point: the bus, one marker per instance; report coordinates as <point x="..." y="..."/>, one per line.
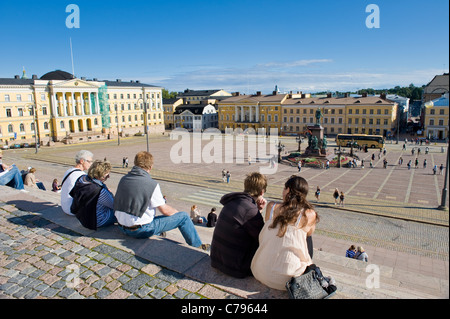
<point x="372" y="141"/>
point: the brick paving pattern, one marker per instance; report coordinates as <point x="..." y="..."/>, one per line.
<point x="40" y="259"/>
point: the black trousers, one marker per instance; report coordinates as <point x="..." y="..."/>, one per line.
<point x="309" y="242"/>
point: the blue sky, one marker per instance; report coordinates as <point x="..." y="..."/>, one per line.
<point x="236" y="45"/>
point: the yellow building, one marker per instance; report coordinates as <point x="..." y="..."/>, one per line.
<point x="352" y="115"/>
<point x="68" y="109"/>
<point x="170" y="106"/>
<point x="437" y="117"/>
<point x="251" y="111"/>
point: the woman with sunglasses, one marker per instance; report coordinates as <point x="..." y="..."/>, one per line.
<point x="93" y="202"/>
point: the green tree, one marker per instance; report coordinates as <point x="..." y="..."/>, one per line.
<point x="168" y="95"/>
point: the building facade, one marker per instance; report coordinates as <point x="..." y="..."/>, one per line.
<point x="436" y="122"/>
<point x="196" y="117"/>
<point x="60" y="108"/>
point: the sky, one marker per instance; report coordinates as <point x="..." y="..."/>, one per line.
<point x="236" y="45"/>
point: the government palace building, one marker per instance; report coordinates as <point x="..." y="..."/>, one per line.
<point x="58" y="107"/>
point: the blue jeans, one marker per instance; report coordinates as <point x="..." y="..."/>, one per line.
<point x="180" y="220"/>
<point x="12" y="178"/>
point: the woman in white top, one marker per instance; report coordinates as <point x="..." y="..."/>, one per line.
<point x="283" y="250"/>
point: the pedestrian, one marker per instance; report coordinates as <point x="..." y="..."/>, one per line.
<point x="328" y="164"/>
<point x="137" y="199"/>
<point x="373" y="156"/>
<point x="362" y="163"/>
<point x="404" y="147"/>
<point x="412" y="151"/>
<point x="235" y="237"/>
<point x="224" y="175"/>
<point x="385" y="163"/>
<point x="416" y="163"/>
<point x="126" y="161"/>
<point x="283" y="241"/>
<point x="351" y="251"/>
<point x="299" y="166"/>
<point x="341" y="199"/>
<point x="249" y="160"/>
<point x="83" y="161"/>
<point x="434" y="169"/>
<point x="409" y="164"/>
<point x="123" y="162"/>
<point x="418" y="151"/>
<point x="425" y="163"/>
<point x="361" y="254"/>
<point x="317" y="193"/>
<point x="212" y="218"/>
<point x="228" y="175"/>
<point x="400" y="161"/>
<point x="441" y="169"/>
<point x="336" y="196"/>
<point x="371" y="164"/>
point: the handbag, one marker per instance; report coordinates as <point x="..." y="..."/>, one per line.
<point x="306" y="286"/>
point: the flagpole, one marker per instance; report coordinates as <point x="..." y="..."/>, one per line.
<point x="71" y="56"/>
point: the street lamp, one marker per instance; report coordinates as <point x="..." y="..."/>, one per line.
<point x="280" y="149"/>
<point x="33" y="108"/>
<point x="443" y="205"/>
<point x="145" y="116"/>
<point x="338" y="152"/>
<point x="118" y="132"/>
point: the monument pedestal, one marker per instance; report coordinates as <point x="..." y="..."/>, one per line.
<point x="317" y="132"/>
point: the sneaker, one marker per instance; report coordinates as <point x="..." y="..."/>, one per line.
<point x="205" y="247"/>
<point x="24" y="191"/>
<point x="163" y="234"/>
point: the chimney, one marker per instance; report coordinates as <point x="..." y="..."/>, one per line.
<point x="258" y="93"/>
<point x="383" y="96"/>
<point x="274" y="92"/>
<point x="346" y="94"/>
<point x="364" y="94"/>
<point x="95" y="79"/>
<point x="137" y="81"/>
<point x="303" y="95"/>
<point x="34" y="77"/>
<point x="236" y="94"/>
<point x="118" y="80"/>
<point x="329" y="95"/>
<point x="16" y="76"/>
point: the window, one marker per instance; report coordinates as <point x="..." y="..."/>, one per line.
<point x="431" y="121"/>
<point x="357" y="111"/>
<point x="350" y="111"/>
<point x="61" y="124"/>
<point x="30" y="97"/>
<point x="22" y="127"/>
<point x="379" y="111"/>
<point x="378" y="122"/>
<point x="371" y="111"/>
<point x="19" y="98"/>
<point x="386" y="112"/>
<point x="43" y="96"/>
<point x="20" y="111"/>
<point x="8" y="113"/>
<point x="32" y="127"/>
<point x="10" y="128"/>
<point x="441" y="122"/>
<point x="45" y="125"/>
<point x="44" y="110"/>
<point x="7" y="99"/>
<point x="385" y="122"/>
<point x="441" y="112"/>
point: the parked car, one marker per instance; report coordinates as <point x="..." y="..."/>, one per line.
<point x="5" y="147"/>
<point x="25" y="145"/>
<point x="16" y="146"/>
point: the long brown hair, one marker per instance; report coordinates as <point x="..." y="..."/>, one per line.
<point x="293" y="205"/>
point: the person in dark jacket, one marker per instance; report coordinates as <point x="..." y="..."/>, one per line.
<point x="235" y="237"/>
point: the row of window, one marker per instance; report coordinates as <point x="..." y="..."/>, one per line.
<point x="433" y="111"/>
<point x="20" y="111"/>
<point x="30" y="97"/>
<point x="134" y="96"/>
<point x="440" y="122"/>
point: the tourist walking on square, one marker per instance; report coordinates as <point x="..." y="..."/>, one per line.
<point x="409" y="165"/>
<point x="317" y="193"/>
<point x="235" y="237"/>
<point x="327" y="166"/>
<point x="441" y="169"/>
<point x="416" y="163"/>
<point x="284" y="251"/>
<point x="228" y="176"/>
<point x="224" y="175"/>
<point x="83" y="161"/>
<point x="299" y="166"/>
<point x="371" y="164"/>
<point x="434" y="169"/>
<point x="341" y="199"/>
<point x="137" y="199"/>
<point x="336" y="196"/>
<point x="425" y="163"/>
<point x="400" y="161"/>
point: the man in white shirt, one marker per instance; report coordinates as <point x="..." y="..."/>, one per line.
<point x="136" y="200"/>
<point x="83" y="160"/>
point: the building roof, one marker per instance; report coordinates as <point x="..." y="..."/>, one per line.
<point x="57" y="75"/>
<point x="442" y="101"/>
<point x="439" y="85"/>
<point x="171" y="101"/>
<point x="255" y="98"/>
<point x="369" y="100"/>
<point x="189" y="92"/>
<point x="196" y="110"/>
<point x="120" y="83"/>
<point x="16" y="81"/>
